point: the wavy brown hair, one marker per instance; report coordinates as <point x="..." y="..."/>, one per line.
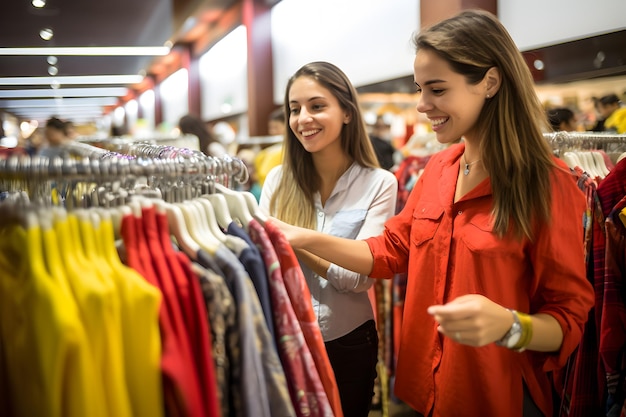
<point x="511" y="124"/>
<point x="293" y="200"/>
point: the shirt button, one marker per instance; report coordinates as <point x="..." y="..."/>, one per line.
<point x="460" y="212"/>
<point x="320" y="213"/>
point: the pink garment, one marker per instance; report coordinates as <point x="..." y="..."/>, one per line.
<point x="305" y="386"/>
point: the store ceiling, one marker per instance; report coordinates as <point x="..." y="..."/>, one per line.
<point x="84" y="23"/>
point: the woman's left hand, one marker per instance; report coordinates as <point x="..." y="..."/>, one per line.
<point x="472" y="320"/>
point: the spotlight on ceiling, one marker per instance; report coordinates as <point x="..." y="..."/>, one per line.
<point x="38" y="3"/>
<point x="46" y="34"/>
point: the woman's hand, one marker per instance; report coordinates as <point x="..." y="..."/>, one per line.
<point x="472" y="320"/>
<point x="290" y="231"/>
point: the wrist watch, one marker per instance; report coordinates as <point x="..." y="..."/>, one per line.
<point x="512" y="337"/>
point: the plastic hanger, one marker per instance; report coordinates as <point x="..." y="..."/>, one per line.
<point x="237" y="205"/>
<point x="220" y="207"/>
<point x="193" y="223"/>
<point x="572" y="161"/>
<point x="253" y="207"/>
<point x="211" y="219"/>
<point x="600" y="164"/>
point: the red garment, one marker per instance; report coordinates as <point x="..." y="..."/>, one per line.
<point x="448" y="250"/>
<point x="194" y="314"/>
<point x="300" y="298"/>
<point x="177" y="393"/>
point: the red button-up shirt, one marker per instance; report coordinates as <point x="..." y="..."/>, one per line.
<point x="448" y="250"/>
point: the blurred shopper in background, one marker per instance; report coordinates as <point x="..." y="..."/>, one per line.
<point x="562" y="119"/>
<point x="381" y="141"/>
<point x="208" y="142"/>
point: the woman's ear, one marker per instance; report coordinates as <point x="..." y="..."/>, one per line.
<point x="492" y="82"/>
<point x="347" y="118"/>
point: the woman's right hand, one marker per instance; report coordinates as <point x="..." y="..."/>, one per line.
<point x="290" y="231"/>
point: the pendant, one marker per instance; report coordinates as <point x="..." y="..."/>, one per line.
<point x="466" y="170"/>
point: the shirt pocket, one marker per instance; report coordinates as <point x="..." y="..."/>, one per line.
<point x="347" y="223"/>
<point x="480" y="239"/>
<point x="426" y="221"/>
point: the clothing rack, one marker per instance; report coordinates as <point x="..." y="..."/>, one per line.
<point x="173" y="173"/>
<point x="585" y="140"/>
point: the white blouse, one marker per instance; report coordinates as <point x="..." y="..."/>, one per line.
<point x="363" y="199"/>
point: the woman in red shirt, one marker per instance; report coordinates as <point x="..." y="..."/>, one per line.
<point x="491" y="236"/>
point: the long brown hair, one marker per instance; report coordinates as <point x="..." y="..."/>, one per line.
<point x="511" y="124"/>
<point x="293" y="200"/>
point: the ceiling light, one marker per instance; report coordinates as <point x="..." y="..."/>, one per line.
<point x="52" y="70"/>
<point x="66" y="92"/>
<point x="46" y="34"/>
<point x="52" y="60"/>
<point x="78" y="79"/>
<point x="38" y="3"/>
<point x="55" y="84"/>
<point x="66" y="102"/>
<point x="88" y="50"/>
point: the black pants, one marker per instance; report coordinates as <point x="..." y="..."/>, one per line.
<point x="353" y="358"/>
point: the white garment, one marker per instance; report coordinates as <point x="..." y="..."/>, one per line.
<point x="363" y="199"/>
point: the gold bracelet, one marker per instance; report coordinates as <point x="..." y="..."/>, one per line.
<point x="527" y="332"/>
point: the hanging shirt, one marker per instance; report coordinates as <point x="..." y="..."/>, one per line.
<point x="292" y="294"/>
<point x="263" y="388"/>
<point x="449" y="250"/>
<point x="139" y="326"/>
<point x="251" y="259"/>
<point x="222" y="315"/>
<point x="43" y="340"/>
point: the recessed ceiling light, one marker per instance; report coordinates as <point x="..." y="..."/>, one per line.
<point x="52" y="60"/>
<point x="46" y="34"/>
<point x="52" y="70"/>
<point x="38" y="3"/>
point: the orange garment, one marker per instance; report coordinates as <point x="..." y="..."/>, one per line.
<point x="449" y="251"/>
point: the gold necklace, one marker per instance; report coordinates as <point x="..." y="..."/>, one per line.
<point x="466" y="171"/>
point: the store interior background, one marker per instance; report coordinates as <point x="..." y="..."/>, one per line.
<point x="575" y="48"/>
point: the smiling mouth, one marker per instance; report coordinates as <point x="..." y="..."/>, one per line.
<point x="439" y="122"/>
<point x="307" y="133"/>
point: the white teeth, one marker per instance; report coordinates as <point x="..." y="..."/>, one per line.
<point x="309" y="132"/>
<point x="438" y="122"/>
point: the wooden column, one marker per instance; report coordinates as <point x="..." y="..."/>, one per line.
<point x="256" y="17"/>
<point x="433" y="11"/>
<point x="190" y="62"/>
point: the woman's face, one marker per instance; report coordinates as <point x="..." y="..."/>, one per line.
<point x="451" y="104"/>
<point x="315" y="116"/>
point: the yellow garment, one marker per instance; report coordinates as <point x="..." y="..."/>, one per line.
<point x="99" y="310"/>
<point x="622" y="216"/>
<point x="267" y="159"/>
<point x="617" y="120"/>
<point x="45" y="348"/>
<point x="140" y="303"/>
